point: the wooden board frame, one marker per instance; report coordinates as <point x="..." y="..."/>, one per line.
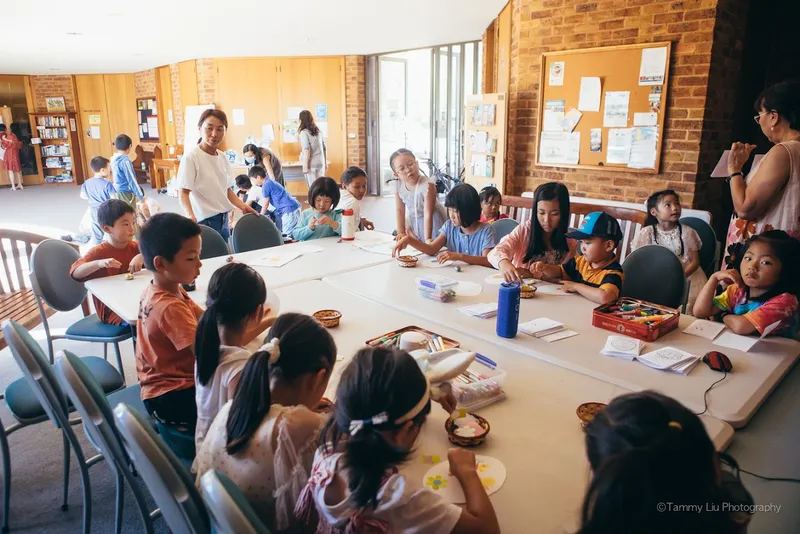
<point x="497" y="131"/>
<point x="611" y="57"/>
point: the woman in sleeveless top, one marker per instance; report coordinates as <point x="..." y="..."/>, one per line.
<point x="769" y="198"/>
<point x="313" y="154"/>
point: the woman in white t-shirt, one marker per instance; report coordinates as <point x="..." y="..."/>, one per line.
<point x="312" y="155"/>
<point x="205" y="177"/>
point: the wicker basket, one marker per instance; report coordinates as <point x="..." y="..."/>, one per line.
<point x="407" y="261"/>
<point x="461" y="441"/>
<point x="328" y="318"/>
<point x="588" y="410"/>
<point x="527" y="292"/>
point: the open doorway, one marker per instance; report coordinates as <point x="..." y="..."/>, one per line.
<point x="14" y="113"/>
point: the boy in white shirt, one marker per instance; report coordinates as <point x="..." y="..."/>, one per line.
<point x="354" y="188"/>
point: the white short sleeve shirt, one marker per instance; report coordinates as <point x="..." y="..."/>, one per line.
<point x="208" y="179"/>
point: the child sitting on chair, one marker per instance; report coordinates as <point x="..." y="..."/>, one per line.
<point x="491" y="199"/>
<point x="596" y="275"/>
<point x="320" y="220"/>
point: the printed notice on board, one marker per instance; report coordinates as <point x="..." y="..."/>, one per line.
<point x="560" y="148"/>
<point x="618" y="150"/>
<point x="653" y="67"/>
<point x="556" y="73"/>
<point x="553" y="115"/>
<point x="615" y="111"/>
<point x="589" y="97"/>
<point x="644" y="148"/>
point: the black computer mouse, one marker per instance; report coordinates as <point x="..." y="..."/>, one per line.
<point x="718" y="362"/>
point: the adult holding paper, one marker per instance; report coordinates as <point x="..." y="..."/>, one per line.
<point x="205" y="177"/>
<point x="769" y="198"/>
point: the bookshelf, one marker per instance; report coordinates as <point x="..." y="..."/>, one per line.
<point x="58" y="147"/>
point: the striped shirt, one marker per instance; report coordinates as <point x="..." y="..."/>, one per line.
<point x="607" y="277"/>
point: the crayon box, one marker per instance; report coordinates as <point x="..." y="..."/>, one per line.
<point x="629" y="317"/>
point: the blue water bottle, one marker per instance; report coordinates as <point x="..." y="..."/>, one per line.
<point x="508" y="309"/>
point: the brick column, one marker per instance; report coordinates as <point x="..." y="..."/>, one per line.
<point x="356" y="110"/>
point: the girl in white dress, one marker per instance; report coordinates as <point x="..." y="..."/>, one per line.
<point x="663" y="227"/>
<point x="418" y="209"/>
<point x="265" y="438"/>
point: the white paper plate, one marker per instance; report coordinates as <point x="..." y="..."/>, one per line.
<point x="468" y="289"/>
<point x="429" y="261"/>
<point x="552" y="289"/>
<point x="497" y="279"/>
<point x="491" y="471"/>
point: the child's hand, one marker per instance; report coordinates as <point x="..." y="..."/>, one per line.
<point x="368" y="225"/>
<point x="400" y="244"/>
<point x="324" y="220"/>
<point x="731" y="276"/>
<point x="569" y="286"/>
<point x="312" y="224"/>
<point x="448" y="256"/>
<point x="108" y="263"/>
<point x="537" y="270"/>
<point x="266" y="322"/>
<point x="137" y="264"/>
<point x="462" y="462"/>
<point x="509" y="272"/>
<point x="448" y="402"/>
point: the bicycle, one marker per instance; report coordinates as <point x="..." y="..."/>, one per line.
<point x="444" y="182"/>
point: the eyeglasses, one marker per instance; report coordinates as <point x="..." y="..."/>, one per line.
<point x="757" y="118"/>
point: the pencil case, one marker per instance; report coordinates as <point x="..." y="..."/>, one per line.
<point x="612" y="316"/>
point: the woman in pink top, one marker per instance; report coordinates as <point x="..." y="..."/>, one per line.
<point x="542" y="238"/>
<point x="769" y="198"/>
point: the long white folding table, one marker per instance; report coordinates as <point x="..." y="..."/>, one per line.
<point x="735" y="400"/>
<point x="534" y="431"/>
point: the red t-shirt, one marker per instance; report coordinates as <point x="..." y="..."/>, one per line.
<point x="502" y="216"/>
<point x="100" y="252"/>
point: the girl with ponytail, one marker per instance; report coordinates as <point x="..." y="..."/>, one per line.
<point x="655" y="470"/>
<point x="264" y="439"/>
<point x="381" y="403"/>
<point x="233" y="318"/>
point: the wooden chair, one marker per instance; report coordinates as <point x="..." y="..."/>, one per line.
<point x="158" y="180"/>
<point x="630" y="221"/>
<point x="17" y="301"/>
<point x="142" y="176"/>
<point x="517" y="208"/>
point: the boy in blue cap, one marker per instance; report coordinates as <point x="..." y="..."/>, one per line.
<point x="597" y="275"/>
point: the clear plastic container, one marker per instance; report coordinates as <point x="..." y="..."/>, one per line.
<point x="437" y="288"/>
<point x="486" y="390"/>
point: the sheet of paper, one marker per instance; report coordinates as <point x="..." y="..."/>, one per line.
<point x="705" y="329"/>
<point x="615" y="111"/>
<point x="478" y="141"/>
<point x="152" y="127"/>
<point x="306" y="249"/>
<point x="323" y="127"/>
<point x="293" y="113"/>
<point x="589" y="98"/>
<point x="558" y="336"/>
<point x="553" y="115"/>
<point x="321" y="112"/>
<point x="95" y="132"/>
<point x="645" y="119"/>
<point x="539" y="325"/>
<point x="618" y="149"/>
<point x="721" y="169"/>
<point x="289" y="132"/>
<point x="735" y="341"/>
<point x="267" y="133"/>
<point x="169" y="116"/>
<point x="644" y="149"/>
<point x="560" y="148"/>
<point x="238" y="117"/>
<point x="571" y="120"/>
<point x="276" y="259"/>
<point x="596" y="140"/>
<point x="653" y="66"/>
<point x="556" y="73"/>
<point x="666" y="358"/>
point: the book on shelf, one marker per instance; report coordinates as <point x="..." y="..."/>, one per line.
<point x="55" y="150"/>
<point x="51" y="121"/>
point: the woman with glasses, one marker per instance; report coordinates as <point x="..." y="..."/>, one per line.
<point x="769" y="198"/>
<point x="418" y="209"/>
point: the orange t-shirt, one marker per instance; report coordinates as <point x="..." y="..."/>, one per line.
<point x="100" y="252"/>
<point x="164" y="347"/>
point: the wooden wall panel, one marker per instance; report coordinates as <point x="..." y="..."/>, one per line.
<point x="165" y="103"/>
<point x="187" y="74"/>
<point x="121" y="105"/>
<point x="91" y="93"/>
<point x="503" y="47"/>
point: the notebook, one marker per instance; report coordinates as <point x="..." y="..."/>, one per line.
<point x="484" y="310"/>
<point x="546" y="329"/>
<point x="623" y="347"/>
<point x="669" y="359"/>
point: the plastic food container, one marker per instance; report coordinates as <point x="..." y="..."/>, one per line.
<point x="437" y="288"/>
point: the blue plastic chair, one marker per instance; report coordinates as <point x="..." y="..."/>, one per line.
<point x="254" y="232"/>
<point x="169" y="482"/>
<point x="98" y="420"/>
<point x="50" y="265"/>
<point x="227" y="506"/>
<point x="503" y="227"/>
<point x="655" y="274"/>
<point x="709" y="253"/>
<point x="213" y="243"/>
<point x="38" y="397"/>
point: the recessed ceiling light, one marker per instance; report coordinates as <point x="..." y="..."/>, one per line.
<point x="74" y="33"/>
<point x="55" y="69"/>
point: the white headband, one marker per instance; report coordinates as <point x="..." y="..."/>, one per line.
<point x="357" y="424"/>
<point x="273" y="349"/>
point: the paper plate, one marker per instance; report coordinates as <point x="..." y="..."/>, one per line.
<point x="468" y="289"/>
<point x="491" y="471"/>
<point x="552" y="289"/>
<point x="430" y="261"/>
<point x="497" y="279"/>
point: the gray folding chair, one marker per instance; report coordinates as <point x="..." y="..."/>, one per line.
<point x="38" y="397"/>
<point x="98" y="420"/>
<point x="50" y="265"/>
<point x="655" y="274"/>
<point x="213" y="244"/>
<point x="503" y="227"/>
<point x="170" y="483"/>
<point x="227" y="506"/>
<point x="709" y="252"/>
<point x="254" y="232"/>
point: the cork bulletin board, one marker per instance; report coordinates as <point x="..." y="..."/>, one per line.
<point x="626" y="73"/>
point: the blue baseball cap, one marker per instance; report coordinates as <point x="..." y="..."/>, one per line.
<point x="597" y="224"/>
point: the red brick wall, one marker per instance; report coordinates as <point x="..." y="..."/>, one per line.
<point x="356" y="110"/>
<point x="48" y="86"/>
<point x="177" y="107"/>
<point x="207" y="81"/>
<point x="545" y="25"/>
<point x="144" y="84"/>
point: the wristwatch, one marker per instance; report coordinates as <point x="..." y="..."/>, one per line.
<point x="730" y="177"/>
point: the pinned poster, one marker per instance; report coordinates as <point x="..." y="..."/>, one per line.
<point x="653" y="66"/>
<point x="560" y="148"/>
<point x="169" y="116"/>
<point x="644" y="148"/>
<point x="293" y="113"/>
<point x="553" y="115"/>
<point x="321" y="112"/>
<point x="267" y="133"/>
<point x="618" y="149"/>
<point x="615" y="111"/>
<point x="571" y="120"/>
<point x="238" y="117"/>
<point x="556" y="73"/>
<point x="289" y="132"/>
<point x="595" y="140"/>
<point x="94" y="120"/>
<point x="94" y="132"/>
<point x="645" y="119"/>
<point x="589" y="98"/>
<point x="323" y="128"/>
<point x="152" y="127"/>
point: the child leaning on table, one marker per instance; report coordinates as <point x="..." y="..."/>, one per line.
<point x="596" y="275"/>
<point x="321" y="219"/>
<point x="382" y="402"/>
<point x="119" y="254"/>
<point x="466" y="238"/>
<point x="648" y="451"/>
<point x="762" y="291"/>
<point x="170" y="245"/>
<point x="287" y="208"/>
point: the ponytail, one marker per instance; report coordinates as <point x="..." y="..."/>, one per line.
<point x="369" y="457"/>
<point x="207" y="345"/>
<point x="250" y="404"/>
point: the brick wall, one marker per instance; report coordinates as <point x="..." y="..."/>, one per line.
<point x="356" y="110"/>
<point x="177" y="106"/>
<point x="207" y="81"/>
<point x="49" y="86"/>
<point x="144" y="84"/>
<point x="693" y="26"/>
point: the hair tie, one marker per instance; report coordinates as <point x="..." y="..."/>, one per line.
<point x="357" y="424"/>
<point x="675" y="424"/>
<point x="273" y="349"/>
